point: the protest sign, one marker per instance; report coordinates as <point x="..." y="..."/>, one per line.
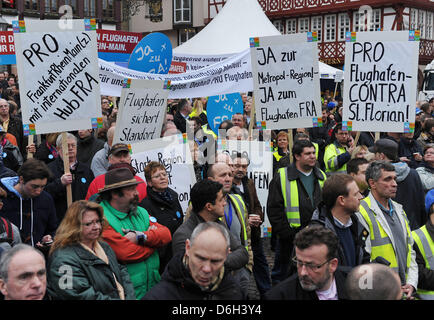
<point x="222" y="107"/>
<point x="260" y="169"/>
<point x="286" y="81"/>
<point x="58" y="74"/>
<point x="231" y="75"/>
<point x="116" y="45"/>
<point x="174" y="153"/>
<point x="7" y="48"/>
<point x="141" y="111"/>
<point x="380" y="81"/>
<point x="152" y="54"/>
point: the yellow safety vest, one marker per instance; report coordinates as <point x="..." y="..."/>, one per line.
<point x="426" y="247"/>
<point x="292" y="207"/>
<point x="381" y="245"/>
<point x="331" y="158"/>
<point x="277" y="156"/>
<point x="316" y="149"/>
<point x="209" y="131"/>
<point x="240" y="207"/>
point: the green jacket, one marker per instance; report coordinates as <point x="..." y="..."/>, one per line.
<point x="144" y="274"/>
<point x="74" y="273"/>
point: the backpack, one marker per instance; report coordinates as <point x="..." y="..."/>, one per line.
<point x="6" y="229"/>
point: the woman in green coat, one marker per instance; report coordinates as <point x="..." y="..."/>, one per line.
<point x="80" y="265"/>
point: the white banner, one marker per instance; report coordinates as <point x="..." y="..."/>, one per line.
<point x="59" y="80"/>
<point x="231" y="75"/>
<point x="141" y="111"/>
<point x="174" y="153"/>
<point x="260" y="169"/>
<point x="286" y="81"/>
<point x="196" y="62"/>
<point x="381" y="81"/>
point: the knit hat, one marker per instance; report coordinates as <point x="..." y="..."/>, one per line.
<point x="429" y="200"/>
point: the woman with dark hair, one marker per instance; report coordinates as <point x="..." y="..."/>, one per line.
<point x="80" y="265"/>
<point x="426" y="170"/>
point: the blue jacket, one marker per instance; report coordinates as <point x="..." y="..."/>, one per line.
<point x="34" y="217"/>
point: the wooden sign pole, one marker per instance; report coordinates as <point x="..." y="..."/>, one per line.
<point x="290" y="143"/>
<point x="30" y="154"/>
<point x="252" y="118"/>
<point x="66" y="167"/>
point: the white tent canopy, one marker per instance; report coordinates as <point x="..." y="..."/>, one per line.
<point x="230" y="31"/>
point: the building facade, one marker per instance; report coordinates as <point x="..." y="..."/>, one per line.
<point x="331" y="19"/>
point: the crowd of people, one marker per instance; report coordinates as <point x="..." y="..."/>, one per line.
<point x="339" y="210"/>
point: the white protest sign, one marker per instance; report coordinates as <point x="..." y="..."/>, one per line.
<point x="141" y="111"/>
<point x="286" y="80"/>
<point x="58" y="74"/>
<point x="230" y="75"/>
<point x="260" y="169"/>
<point x="196" y="62"/>
<point x="380" y="81"/>
<point x="174" y="153"/>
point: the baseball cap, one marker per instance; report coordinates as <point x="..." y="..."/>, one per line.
<point x="118" y="147"/>
<point x="331" y="105"/>
<point x="386" y="146"/>
<point x="429" y="200"/>
<point x="418" y="111"/>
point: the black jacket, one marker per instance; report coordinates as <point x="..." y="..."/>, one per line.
<point x="168" y="213"/>
<point x="177" y="284"/>
<point x="426" y="275"/>
<point x="87" y="147"/>
<point x="82" y="177"/>
<point x="15" y="127"/>
<point x="324" y="217"/>
<point x="290" y="289"/>
<point x="180" y="122"/>
<point x="44" y="153"/>
<point x="406" y="148"/>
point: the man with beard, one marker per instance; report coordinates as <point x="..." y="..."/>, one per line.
<point x="318" y="276"/>
<point x="133" y="235"/>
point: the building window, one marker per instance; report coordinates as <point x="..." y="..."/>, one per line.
<point x="367" y="20"/>
<point x="291" y="26"/>
<point x="343" y="26"/>
<point x="413" y="19"/>
<point x="421" y="23"/>
<point x="184" y="35"/>
<point x="72" y="4"/>
<point x="429" y="25"/>
<point x="330" y="28"/>
<point x="8" y="4"/>
<point x="317" y="26"/>
<point x="279" y="26"/>
<point x="182" y="11"/>
<point x="51" y="6"/>
<point x="31" y="5"/>
<point x="303" y="25"/>
<point x="107" y="8"/>
<point x="89" y="8"/>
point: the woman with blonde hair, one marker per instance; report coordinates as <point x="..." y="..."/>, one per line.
<point x="199" y="110"/>
<point x="80" y="265"/>
<point x="360" y="152"/>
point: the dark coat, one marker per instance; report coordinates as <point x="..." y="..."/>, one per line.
<point x="43" y="214"/>
<point x="92" y="278"/>
<point x="82" y="177"/>
<point x="406" y="148"/>
<point x="43" y="153"/>
<point x="324" y="217"/>
<point x="180" y="122"/>
<point x="87" y="147"/>
<point x="237" y="258"/>
<point x="177" y="284"/>
<point x="15" y="127"/>
<point x="168" y="213"/>
<point x="290" y="289"/>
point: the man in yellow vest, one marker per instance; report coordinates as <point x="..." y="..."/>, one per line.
<point x="235" y="216"/>
<point x="389" y="231"/>
<point x="424" y="247"/>
<point x="338" y="153"/>
<point x="294" y="194"/>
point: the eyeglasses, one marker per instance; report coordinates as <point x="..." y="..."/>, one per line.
<point x="309" y="266"/>
<point x="159" y="176"/>
<point x="88" y="224"/>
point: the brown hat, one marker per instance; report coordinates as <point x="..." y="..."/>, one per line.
<point x="119" y="178"/>
<point x="118" y="147"/>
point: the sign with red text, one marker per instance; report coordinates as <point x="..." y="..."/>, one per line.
<point x="7" y="48"/>
<point x="116" y="45"/>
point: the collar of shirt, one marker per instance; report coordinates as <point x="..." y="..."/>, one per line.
<point x="341" y="225"/>
<point x="329" y="294"/>
<point x="391" y="208"/>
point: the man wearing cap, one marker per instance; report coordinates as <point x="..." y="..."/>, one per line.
<point x="133" y="234"/>
<point x="79" y="177"/>
<point x="119" y="156"/>
<point x="410" y="192"/>
<point x="338" y="153"/>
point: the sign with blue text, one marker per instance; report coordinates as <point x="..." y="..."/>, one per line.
<point x="153" y="54"/>
<point x="381" y="81"/>
<point x="222" y="107"/>
<point x="286" y="80"/>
